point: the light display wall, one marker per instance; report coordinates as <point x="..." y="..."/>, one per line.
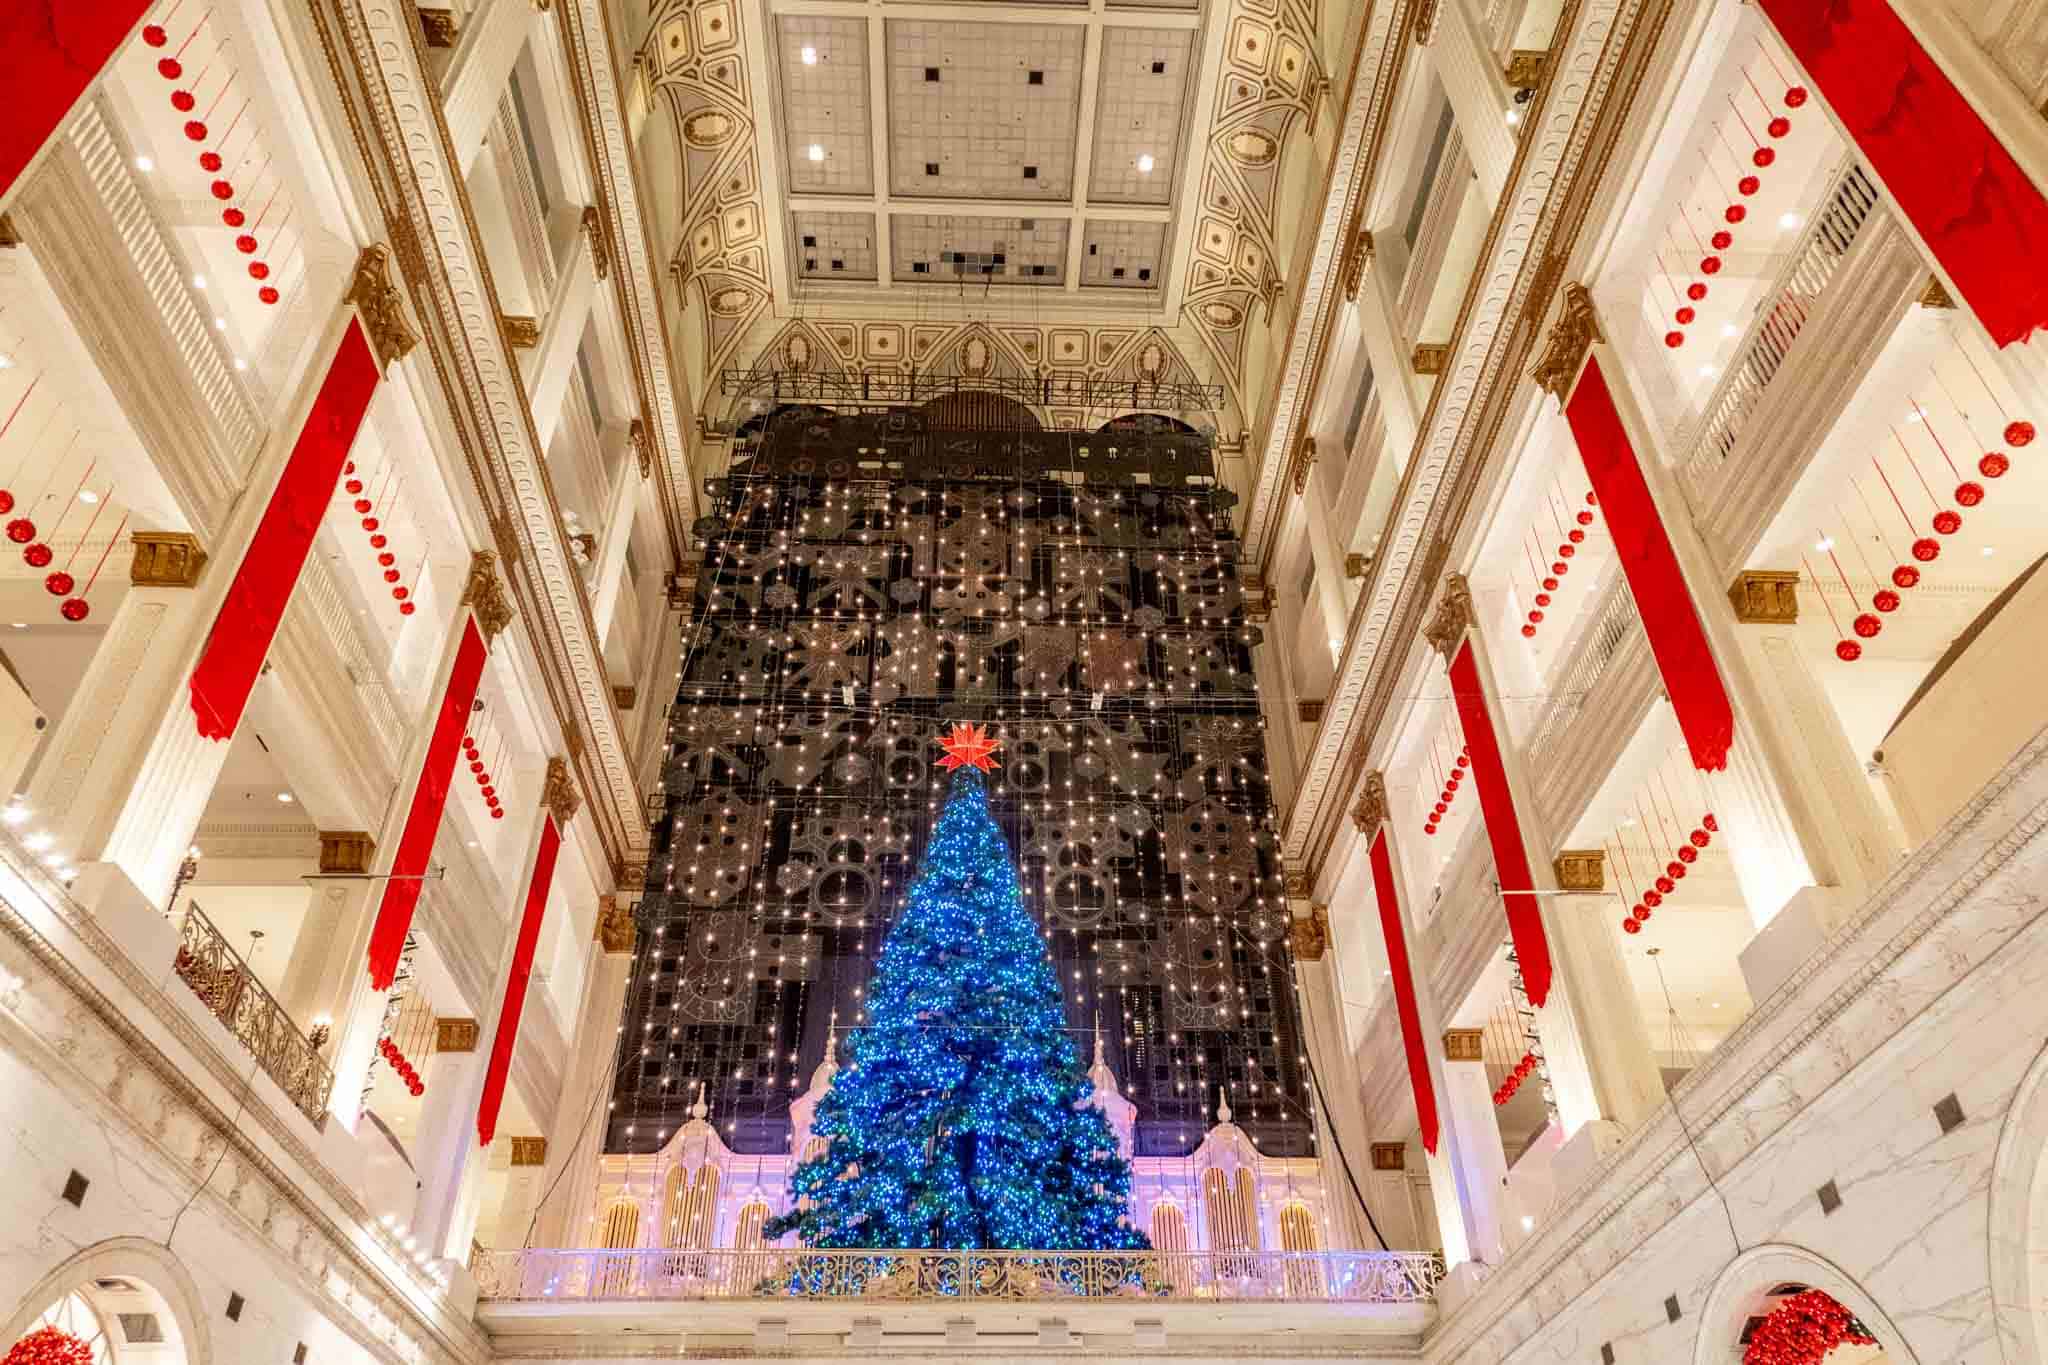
<point x="867" y="581"/>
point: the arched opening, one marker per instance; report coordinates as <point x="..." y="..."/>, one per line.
<point x="979" y="410"/>
<point x="2019" y="1221"/>
<point x="1772" y="1294"/>
<point x="121" y="1303"/>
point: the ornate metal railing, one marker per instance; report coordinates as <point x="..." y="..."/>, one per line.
<point x="1598" y="644"/>
<point x="219" y="977"/>
<point x="1308" y="1276"/>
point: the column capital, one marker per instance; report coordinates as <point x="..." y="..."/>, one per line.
<point x="630" y="874"/>
<point x="456" y="1035"/>
<point x="643" y="450"/>
<point x="1423" y="22"/>
<point x="1357" y="261"/>
<point x="522" y="330"/>
<point x="1765" y="597"/>
<point x="438" y="27"/>
<point x="558" y="792"/>
<point x="529" y="1151"/>
<point x="1309" y="710"/>
<point x="592" y="224"/>
<point x="1258" y="598"/>
<point x="1356" y="565"/>
<point x="1303" y="461"/>
<point x="1430" y="357"/>
<point x="346" y="852"/>
<point x="1571" y="337"/>
<point x="484" y="595"/>
<point x="1580" y="869"/>
<point x="381" y="306"/>
<point x="1371" y="811"/>
<point x="1390" y="1156"/>
<point x="1294" y="882"/>
<point x="614" y="928"/>
<point x="1446" y="629"/>
<point x="1525" y="68"/>
<point x="1464" y="1045"/>
<point x="1936" y="294"/>
<point x="1309" y="935"/>
<point x="165" y="559"/>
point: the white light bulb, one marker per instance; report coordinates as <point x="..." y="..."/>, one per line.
<point x="1145" y="163"/>
<point x="817" y="152"/>
<point x="144" y="164"/>
<point x="810" y="56"/>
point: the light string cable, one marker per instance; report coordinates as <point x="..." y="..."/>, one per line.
<point x="1727" y="1211"/>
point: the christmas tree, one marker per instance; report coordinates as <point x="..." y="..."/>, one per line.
<point x="962" y="1120"/>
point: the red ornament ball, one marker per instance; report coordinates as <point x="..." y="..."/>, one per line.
<point x="1685" y="317"/>
<point x="1696" y="291"/>
<point x="1969" y="494"/>
<point x="1664" y="885"/>
<point x="1542" y="599"/>
<point x="154" y="35"/>
<point x="258" y="270"/>
<point x="211" y="163"/>
<point x="1926" y="548"/>
<point x="1867" y="625"/>
<point x="1749" y="184"/>
<point x="1642" y="913"/>
<point x="497" y="814"/>
<point x="391" y="575"/>
<point x="1464" y="760"/>
<point x="6" y="501"/>
<point x="476" y="765"/>
<point x="1560" y="568"/>
<point x="387" y="559"/>
<point x="1722" y="239"/>
<point x="1536" y="616"/>
<point x="1709" y="821"/>
<point x="1710" y="265"/>
<point x="1700" y="838"/>
<point x="401" y="592"/>
<point x="1567" y="551"/>
<point x="1763" y="156"/>
<point x="170" y="68"/>
<point x="1884" y="599"/>
<point x="353" y="487"/>
<point x="246" y="244"/>
<point x="1674" y="339"/>
<point x="1905" y="576"/>
<point x="2019" y="433"/>
<point x="50" y="1346"/>
<point x="1585" y="518"/>
<point x="362" y="505"/>
<point x="1848" y="651"/>
<point x="369" y="523"/>
<point x="379" y="542"/>
<point x="75" y="609"/>
<point x="1676" y="871"/>
<point x="1687" y="853"/>
<point x="21" y="530"/>
<point x="1948" y="521"/>
<point x="233" y="217"/>
<point x="222" y="190"/>
<point x="1429" y="829"/>
<point x="1778" y="126"/>
<point x="1994" y="464"/>
<point x="268" y="294"/>
<point x="490" y="792"/>
<point x="406" y="609"/>
<point x="38" y="556"/>
<point x="182" y="101"/>
<point x="1735" y="213"/>
<point x="1550" y="585"/>
<point x="1629" y="926"/>
<point x="1439" y="808"/>
<point x="195" y="130"/>
<point x="1653" y="899"/>
<point x="59" y="584"/>
<point x="1575" y="536"/>
<point x="1795" y="96"/>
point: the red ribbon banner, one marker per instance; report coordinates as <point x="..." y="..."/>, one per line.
<point x="233" y="657"/>
<point x="423" y="821"/>
<point x="1404" y="989"/>
<point x="1677" y="638"/>
<point x="515" y="989"/>
<point x="1503" y="829"/>
<point x="1980" y="215"/>
<point x="50" y="51"/>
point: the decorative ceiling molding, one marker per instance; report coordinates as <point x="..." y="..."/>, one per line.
<point x="425" y="203"/>
<point x="1500" y="320"/>
<point x="622" y="221"/>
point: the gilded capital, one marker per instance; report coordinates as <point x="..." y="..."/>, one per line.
<point x="438" y="27"/>
<point x="1526" y="67"/>
<point x="1309" y="935"/>
<point x="592" y="224"/>
<point x="455" y="1035"/>
<point x="346" y="852"/>
<point x="530" y="1151"/>
<point x="1431" y="358"/>
<point x="614" y="927"/>
<point x="1294" y="884"/>
<point x="1356" y="262"/>
<point x="1371" y="811"/>
<point x="1765" y="597"/>
<point x="1390" y="1156"/>
<point x="381" y="306"/>
<point x="484" y="595"/>
<point x="1581" y="869"/>
<point x="1303" y="461"/>
<point x="1936" y="294"/>
<point x="1464" y="1045"/>
<point x="643" y="449"/>
<point x="522" y="331"/>
<point x="1571" y="337"/>
<point x="165" y="559"/>
<point x="1357" y="566"/>
<point x="558" y="792"/>
<point x="1309" y="711"/>
<point x="1446" y="629"/>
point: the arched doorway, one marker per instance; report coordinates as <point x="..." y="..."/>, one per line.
<point x="127" y="1301"/>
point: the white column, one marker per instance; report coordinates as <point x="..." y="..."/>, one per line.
<point x="548" y="366"/>
<point x="1340" y="1113"/>
<point x="1394" y="378"/>
<point x="1468" y="1107"/>
<point x="486" y="50"/>
<point x="1613" y="1033"/>
<point x="610" y="569"/>
<point x="580" y="1117"/>
<point x="1389" y="1196"/>
<point x="332" y="948"/>
<point x="1478" y="96"/>
<point x="525" y="1182"/>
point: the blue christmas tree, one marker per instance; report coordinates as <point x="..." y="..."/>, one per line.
<point x="961" y="1121"/>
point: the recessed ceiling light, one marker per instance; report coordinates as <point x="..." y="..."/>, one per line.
<point x="1788" y="220"/>
<point x="220" y="324"/>
<point x="143" y="163"/>
<point x="1145" y="163"/>
<point x="1986" y="550"/>
<point x="199" y="281"/>
<point x="810" y="56"/>
<point x="1824" y="544"/>
<point x="284" y="798"/>
<point x="241" y="364"/>
<point x="817" y="152"/>
<point x="87" y="496"/>
<point x="6" y="361"/>
<point x="1727" y="329"/>
<point x="1514" y="117"/>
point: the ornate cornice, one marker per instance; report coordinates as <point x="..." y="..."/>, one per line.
<point x="558" y="792"/>
<point x="1453" y="617"/>
<point x="1371" y="811"/>
<point x="1571" y="337"/>
<point x="381" y="306"/>
<point x="481" y="594"/>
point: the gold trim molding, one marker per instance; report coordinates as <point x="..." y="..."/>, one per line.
<point x="486" y="596"/>
<point x="558" y="792"/>
<point x="382" y="306"/>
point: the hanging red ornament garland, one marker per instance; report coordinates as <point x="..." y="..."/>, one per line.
<point x="50" y="1346"/>
<point x="78" y="608"/>
<point x="1802" y="1329"/>
<point x="1846" y="649"/>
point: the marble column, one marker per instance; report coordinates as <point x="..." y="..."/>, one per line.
<point x="577" y="1140"/>
<point x="549" y="367"/>
<point x="1340" y="1114"/>
<point x="1468" y="1107"/>
<point x="1391" y="1199"/>
<point x="334" y="941"/>
<point x="1332" y="587"/>
<point x="525" y="1182"/>
<point x="1614" y="1033"/>
<point x="445" y="1151"/>
<point x="486" y="50"/>
<point x="1478" y="95"/>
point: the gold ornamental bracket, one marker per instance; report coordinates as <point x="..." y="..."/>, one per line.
<point x="1309" y="710"/>
<point x="614" y="927"/>
<point x="522" y="331"/>
<point x="558" y="792"/>
<point x="1423" y="26"/>
<point x="1570" y="340"/>
<point x="592" y="224"/>
<point x="1431" y="358"/>
<point x="346" y="852"/>
<point x="1580" y="870"/>
<point x="529" y="1151"/>
<point x="165" y="559"/>
<point x="1390" y="1156"/>
<point x="1765" y="597"/>
<point x="1303" y="461"/>
<point x="483" y="594"/>
<point x="456" y="1035"/>
<point x="643" y="448"/>
<point x="381" y="305"/>
<point x="1464" y="1045"/>
<point x="1309" y="935"/>
<point x="1357" y="262"/>
<point x="1371" y="811"/>
<point x="1453" y="617"/>
<point x="1357" y="565"/>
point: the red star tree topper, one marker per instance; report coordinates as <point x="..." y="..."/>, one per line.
<point x="969" y="746"/>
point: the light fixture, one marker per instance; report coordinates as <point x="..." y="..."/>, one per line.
<point x="1824" y="544"/>
<point x="1528" y="1222"/>
<point x="241" y="364"/>
<point x="284" y="798"/>
<point x="1788" y="220"/>
<point x="87" y="496"/>
<point x="1986" y="550"/>
<point x="220" y="324"/>
<point x="1727" y="329"/>
<point x="6" y="361"/>
<point x="21" y="625"/>
<point x="810" y="56"/>
<point x="817" y="152"/>
<point x="1514" y="116"/>
<point x="1145" y="163"/>
<point x="37" y="842"/>
<point x="199" y="281"/>
<point x="144" y="164"/>
<point x="16" y="814"/>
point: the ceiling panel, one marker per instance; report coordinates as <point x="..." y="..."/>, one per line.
<point x="983" y="111"/>
<point x="1124" y="255"/>
<point x="834" y="246"/>
<point x="945" y="249"/>
<point x="1146" y="74"/>
<point x="825" y="112"/>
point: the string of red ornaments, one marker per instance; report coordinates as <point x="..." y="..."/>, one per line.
<point x="1802" y="1329"/>
<point x="1522" y="1070"/>
<point x="1665" y="883"/>
<point x="1568" y="546"/>
<point x="213" y="160"/>
<point x="402" y="1066"/>
<point x="50" y="1346"/>
<point x="365" y="508"/>
<point x="482" y="773"/>
<point x="36" y="551"/>
<point x="1453" y="779"/>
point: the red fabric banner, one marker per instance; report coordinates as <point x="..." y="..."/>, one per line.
<point x="1404" y="989"/>
<point x="1677" y="638"/>
<point x="1503" y="829"/>
<point x="507" y="1032"/>
<point x="50" y="51"/>
<point x="423" y="821"/>
<point x="1980" y="215"/>
<point x="241" y="635"/>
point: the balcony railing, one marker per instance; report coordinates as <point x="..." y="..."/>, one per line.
<point x="1264" y="1276"/>
<point x="219" y="977"/>
<point x="1598" y="644"/>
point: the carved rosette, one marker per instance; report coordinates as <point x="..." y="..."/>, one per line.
<point x="1371" y="811"/>
<point x="1765" y="597"/>
<point x="1309" y="935"/>
<point x="1356" y="262"/>
<point x="484" y="595"/>
<point x="165" y="559"/>
<point x="643" y="449"/>
<point x="614" y="928"/>
<point x="558" y="792"/>
<point x="592" y="224"/>
<point x="1303" y="461"/>
<point x="1446" y="629"/>
<point x="1571" y="337"/>
<point x="1581" y="869"/>
<point x="455" y="1035"/>
<point x="381" y="306"/>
